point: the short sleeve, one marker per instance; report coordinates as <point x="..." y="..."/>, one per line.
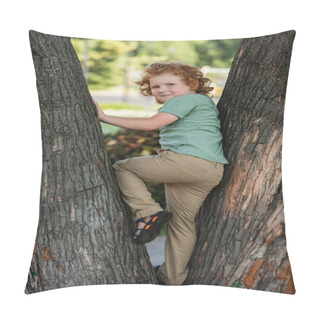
<point x="180" y="106"/>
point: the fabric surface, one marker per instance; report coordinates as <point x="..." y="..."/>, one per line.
<point x="185" y="135"/>
<point x="84" y="232"/>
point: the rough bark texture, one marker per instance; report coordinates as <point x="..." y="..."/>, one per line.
<point x="241" y="233"/>
<point x="84" y="228"/>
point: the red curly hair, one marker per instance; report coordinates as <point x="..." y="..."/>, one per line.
<point x="191" y="75"/>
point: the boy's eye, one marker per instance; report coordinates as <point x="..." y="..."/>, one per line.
<point x="171" y="84"/>
<point x="155" y="87"/>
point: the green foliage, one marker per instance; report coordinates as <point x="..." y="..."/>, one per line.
<point x="103" y="62"/>
<point x="216" y="53"/>
<point x="131" y="143"/>
<point x="108" y="63"/>
<point x="155" y="51"/>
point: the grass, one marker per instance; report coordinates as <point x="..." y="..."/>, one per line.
<point x="120" y="106"/>
<point x="109" y="129"/>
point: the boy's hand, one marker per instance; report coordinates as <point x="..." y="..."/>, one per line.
<point x="101" y="114"/>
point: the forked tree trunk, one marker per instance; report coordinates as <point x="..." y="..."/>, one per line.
<point x="84" y="229"/>
<point x="241" y="233"/>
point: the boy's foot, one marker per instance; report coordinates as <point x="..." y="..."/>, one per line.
<point x="149" y="227"/>
<point x="156" y="269"/>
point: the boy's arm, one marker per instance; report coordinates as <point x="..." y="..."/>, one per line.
<point x="155" y="122"/>
<point x="152" y="123"/>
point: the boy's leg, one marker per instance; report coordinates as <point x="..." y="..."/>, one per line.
<point x="166" y="167"/>
<point x="184" y="201"/>
<point x="133" y="187"/>
<point x="188" y="181"/>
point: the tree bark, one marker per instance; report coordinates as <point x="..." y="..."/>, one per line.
<point x="84" y="228"/>
<point x="241" y="231"/>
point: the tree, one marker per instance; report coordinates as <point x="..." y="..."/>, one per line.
<point x="83" y="235"/>
<point x="241" y="232"/>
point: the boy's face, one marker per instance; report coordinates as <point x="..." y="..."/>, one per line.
<point x="167" y="85"/>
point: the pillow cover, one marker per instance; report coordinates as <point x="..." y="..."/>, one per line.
<point x="84" y="230"/>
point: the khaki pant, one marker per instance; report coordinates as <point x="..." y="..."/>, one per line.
<point x="188" y="180"/>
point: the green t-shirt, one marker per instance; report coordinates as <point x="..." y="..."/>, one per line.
<point x="197" y="132"/>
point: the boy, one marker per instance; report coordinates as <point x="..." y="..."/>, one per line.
<point x="190" y="162"/>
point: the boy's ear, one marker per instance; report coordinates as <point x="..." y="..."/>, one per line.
<point x="195" y="85"/>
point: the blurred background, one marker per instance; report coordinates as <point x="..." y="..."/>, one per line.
<point x="111" y="69"/>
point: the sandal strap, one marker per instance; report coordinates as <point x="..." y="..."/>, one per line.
<point x="150" y="222"/>
<point x="151" y="217"/>
<point x="151" y="228"/>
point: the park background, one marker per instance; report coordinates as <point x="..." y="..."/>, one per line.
<point x="111" y="69"/>
<point x="21" y="161"/>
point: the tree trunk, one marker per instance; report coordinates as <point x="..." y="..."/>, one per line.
<point x="84" y="228"/>
<point x="241" y="234"/>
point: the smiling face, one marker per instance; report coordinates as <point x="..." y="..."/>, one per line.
<point x="167" y="85"/>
